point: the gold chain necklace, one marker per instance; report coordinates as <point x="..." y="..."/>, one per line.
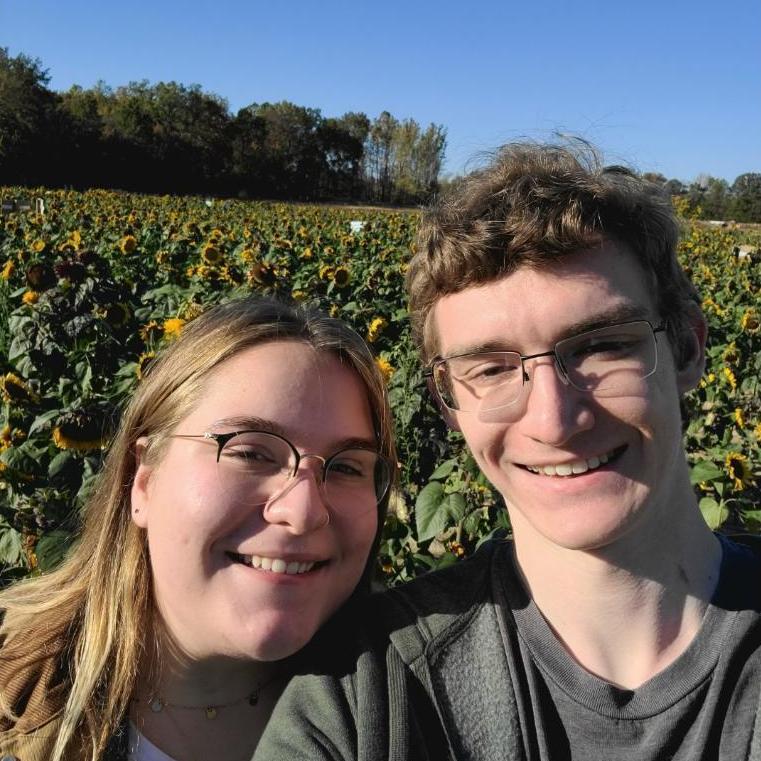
<point x="157" y="703"/>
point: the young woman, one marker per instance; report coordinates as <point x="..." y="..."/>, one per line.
<point x="238" y="509"/>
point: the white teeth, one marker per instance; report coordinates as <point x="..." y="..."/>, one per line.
<point x="277" y="565"/>
<point x="572" y="468"/>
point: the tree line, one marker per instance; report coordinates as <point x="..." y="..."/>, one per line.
<point x="714" y="198"/>
<point x="173" y="138"/>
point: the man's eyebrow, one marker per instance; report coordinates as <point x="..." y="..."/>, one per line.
<point x="619" y="313"/>
<point x="253" y="423"/>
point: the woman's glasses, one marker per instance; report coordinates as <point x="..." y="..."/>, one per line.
<point x="255" y="466"/>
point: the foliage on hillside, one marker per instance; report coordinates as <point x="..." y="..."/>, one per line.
<point x="90" y="290"/>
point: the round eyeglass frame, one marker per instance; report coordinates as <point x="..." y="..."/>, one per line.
<point x="222" y="439"/>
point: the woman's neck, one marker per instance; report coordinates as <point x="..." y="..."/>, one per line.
<point x="211" y="708"/>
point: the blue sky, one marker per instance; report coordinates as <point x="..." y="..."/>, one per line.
<point x="669" y="86"/>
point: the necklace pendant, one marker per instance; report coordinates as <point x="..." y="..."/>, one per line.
<point x="156" y="705"/>
<point x="211" y="712"/>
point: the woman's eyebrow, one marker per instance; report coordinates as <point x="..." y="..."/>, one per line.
<point x="252" y="423"/>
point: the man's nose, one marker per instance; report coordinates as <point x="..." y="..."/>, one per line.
<point x="554" y="411"/>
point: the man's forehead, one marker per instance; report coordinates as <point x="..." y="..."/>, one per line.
<point x="582" y="292"/>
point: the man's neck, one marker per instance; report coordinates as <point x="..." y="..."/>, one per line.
<point x="627" y="611"/>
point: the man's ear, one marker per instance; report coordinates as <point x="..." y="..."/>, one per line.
<point x="141" y="483"/>
<point x="693" y="364"/>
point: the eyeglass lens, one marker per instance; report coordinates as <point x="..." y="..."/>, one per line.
<point x="255" y="466"/>
<point x="608" y="361"/>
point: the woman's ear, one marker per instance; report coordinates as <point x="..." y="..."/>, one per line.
<point x="694" y="360"/>
<point x="139" y="495"/>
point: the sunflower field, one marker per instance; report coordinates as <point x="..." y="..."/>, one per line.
<point x="95" y="284"/>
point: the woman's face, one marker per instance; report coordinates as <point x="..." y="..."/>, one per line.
<point x="204" y="537"/>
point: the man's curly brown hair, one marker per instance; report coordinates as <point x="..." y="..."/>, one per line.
<point x="532" y="205"/>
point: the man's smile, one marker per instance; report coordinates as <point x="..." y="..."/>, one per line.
<point x="576" y="467"/>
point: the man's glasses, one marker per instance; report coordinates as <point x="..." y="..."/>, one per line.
<point x="609" y="361"/>
<point x="255" y="466"/>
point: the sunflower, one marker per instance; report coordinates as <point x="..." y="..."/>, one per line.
<point x="211" y="254"/>
<point x="730" y="377"/>
<point x="30" y="297"/>
<point x="117" y="315"/>
<point x="307" y="253"/>
<point x="298" y="295"/>
<point x="341" y="276"/>
<point x="40" y="277"/>
<point x="739" y="470"/>
<point x="173" y="327"/>
<point x="8" y="269"/>
<point x="128" y="244"/>
<point x="731" y="355"/>
<point x="39" y="246"/>
<point x="143" y="363"/>
<point x="231" y="275"/>
<point x="81" y="430"/>
<point x="17" y="390"/>
<point x="326" y="272"/>
<point x="376" y="328"/>
<point x="385" y="367"/>
<point x="263" y="274"/>
<point x="150" y="331"/>
<point x="6" y="438"/>
<point x="750" y="322"/>
<point x="739" y="417"/>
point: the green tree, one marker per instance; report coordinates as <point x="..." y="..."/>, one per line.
<point x="26" y="110"/>
<point x="746" y="198"/>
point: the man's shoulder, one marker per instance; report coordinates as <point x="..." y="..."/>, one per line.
<point x="435" y="606"/>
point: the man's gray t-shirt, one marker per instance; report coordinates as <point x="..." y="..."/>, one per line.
<point x="701" y="707"/>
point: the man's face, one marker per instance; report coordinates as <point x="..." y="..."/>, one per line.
<point x="554" y="424"/>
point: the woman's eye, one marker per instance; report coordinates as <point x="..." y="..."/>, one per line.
<point x="250" y="455"/>
<point x="349" y="469"/>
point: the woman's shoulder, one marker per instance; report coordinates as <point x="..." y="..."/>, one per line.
<point x="33" y="681"/>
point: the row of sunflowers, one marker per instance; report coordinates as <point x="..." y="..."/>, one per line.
<point x="93" y="286"/>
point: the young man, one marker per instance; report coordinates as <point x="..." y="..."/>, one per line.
<point x="559" y="334"/>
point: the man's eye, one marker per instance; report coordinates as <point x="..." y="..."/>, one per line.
<point x="608" y="347"/>
<point x="489" y="372"/>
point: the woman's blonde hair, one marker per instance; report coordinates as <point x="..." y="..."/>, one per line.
<point x="94" y="614"/>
